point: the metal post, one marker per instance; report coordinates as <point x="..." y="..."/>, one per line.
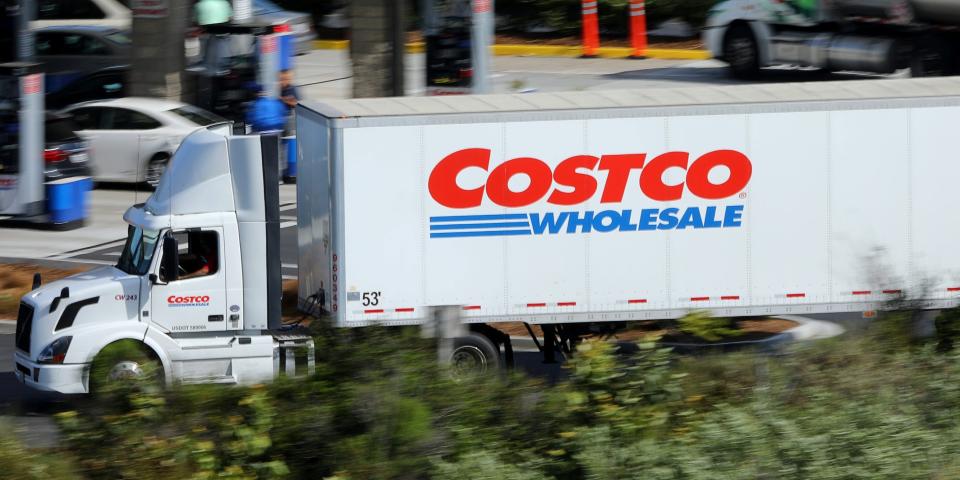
<point x="269" y="62"/>
<point x="444" y="324"/>
<point x="482" y="40"/>
<point x="399" y="34"/>
<point x="30" y="191"/>
<point x="26" y="13"/>
<point x="549" y="343"/>
<point x="242" y="10"/>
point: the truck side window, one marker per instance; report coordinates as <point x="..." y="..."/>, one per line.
<point x="199" y="253"/>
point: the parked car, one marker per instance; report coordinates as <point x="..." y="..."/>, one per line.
<point x="73" y="57"/>
<point x="65" y="154"/>
<point x="104" y="84"/>
<point x="132" y="138"/>
<point x="116" y="14"/>
<point x="108" y="13"/>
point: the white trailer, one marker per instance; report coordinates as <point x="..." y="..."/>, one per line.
<point x="586" y="207"/>
<point x="575" y="211"/>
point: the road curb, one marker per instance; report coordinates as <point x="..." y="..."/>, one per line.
<point x="547" y="50"/>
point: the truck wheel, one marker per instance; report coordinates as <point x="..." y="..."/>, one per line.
<point x="740" y="50"/>
<point x="156" y="167"/>
<point x="124" y="362"/>
<point x="473" y="355"/>
<point x="931" y="58"/>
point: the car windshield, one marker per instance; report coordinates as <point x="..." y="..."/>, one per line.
<point x="60" y="129"/>
<point x="198" y="116"/>
<point x="119" y="38"/>
<point x="138" y="251"/>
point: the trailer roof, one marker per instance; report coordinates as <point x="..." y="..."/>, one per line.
<point x="658" y="99"/>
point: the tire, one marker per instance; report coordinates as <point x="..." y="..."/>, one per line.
<point x="741" y="52"/>
<point x="124" y="363"/>
<point x="474" y="355"/>
<point x="932" y="57"/>
<point x="155" y="169"/>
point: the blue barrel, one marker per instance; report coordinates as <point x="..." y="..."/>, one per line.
<point x="287" y="50"/>
<point x="67" y="199"/>
<point x="290" y="172"/>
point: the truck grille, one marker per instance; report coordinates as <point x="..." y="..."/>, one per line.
<point x="24" y="326"/>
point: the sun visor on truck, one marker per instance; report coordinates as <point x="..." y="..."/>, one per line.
<point x="197" y="180"/>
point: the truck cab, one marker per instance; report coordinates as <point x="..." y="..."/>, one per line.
<point x="196" y="288"/>
<point x="873" y="36"/>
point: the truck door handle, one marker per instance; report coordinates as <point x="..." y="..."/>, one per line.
<point x="215" y="318"/>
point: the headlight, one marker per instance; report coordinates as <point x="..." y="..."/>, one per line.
<point x="56" y="351"/>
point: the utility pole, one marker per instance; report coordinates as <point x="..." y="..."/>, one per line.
<point x="159" y="30"/>
<point x="482" y="40"/>
<point x="27" y="11"/>
<point x="377" y="47"/>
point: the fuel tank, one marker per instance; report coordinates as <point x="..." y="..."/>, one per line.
<point x="944" y="12"/>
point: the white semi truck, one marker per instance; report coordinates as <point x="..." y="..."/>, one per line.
<point x="878" y="36"/>
<point x="574" y="211"/>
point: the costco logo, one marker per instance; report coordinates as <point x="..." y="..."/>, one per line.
<point x="188" y="301"/>
<point x="577" y="180"/>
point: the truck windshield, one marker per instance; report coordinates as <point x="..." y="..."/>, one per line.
<point x="138" y="250"/>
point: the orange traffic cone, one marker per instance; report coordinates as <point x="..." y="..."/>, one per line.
<point x="591" y="29"/>
<point x="638" y="28"/>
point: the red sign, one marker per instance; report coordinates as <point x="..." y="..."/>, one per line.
<point x="482" y="6"/>
<point x="268" y="44"/>
<point x="31" y="84"/>
<point x="149" y="8"/>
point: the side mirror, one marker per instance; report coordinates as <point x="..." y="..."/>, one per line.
<point x="170" y="262"/>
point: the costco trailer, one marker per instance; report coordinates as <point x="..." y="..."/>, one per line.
<point x="575" y="211"/>
<point x="626" y="205"/>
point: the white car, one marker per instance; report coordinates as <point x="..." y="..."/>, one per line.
<point x="131" y="139"/>
<point x="59" y="13"/>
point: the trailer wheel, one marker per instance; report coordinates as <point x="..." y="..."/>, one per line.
<point x="124" y="362"/>
<point x="740" y="50"/>
<point x="473" y="355"/>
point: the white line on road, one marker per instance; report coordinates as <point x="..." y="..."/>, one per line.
<point x="288" y="265"/>
<point x="289" y="277"/>
<point x="84" y="251"/>
<point x="288" y="224"/>
<point x="84" y="260"/>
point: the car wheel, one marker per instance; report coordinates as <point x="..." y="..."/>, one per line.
<point x="156" y="168"/>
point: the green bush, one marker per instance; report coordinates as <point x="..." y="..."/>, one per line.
<point x="380" y="408"/>
<point x="22" y="464"/>
<point x="708" y="327"/>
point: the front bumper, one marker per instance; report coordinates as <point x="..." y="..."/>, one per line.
<point x="51" y="378"/>
<point x="713" y="40"/>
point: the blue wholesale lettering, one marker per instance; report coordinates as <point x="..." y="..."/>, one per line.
<point x="730" y="216"/>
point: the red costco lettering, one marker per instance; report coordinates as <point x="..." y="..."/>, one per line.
<point x="189" y="299"/>
<point x="575" y="180"/>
